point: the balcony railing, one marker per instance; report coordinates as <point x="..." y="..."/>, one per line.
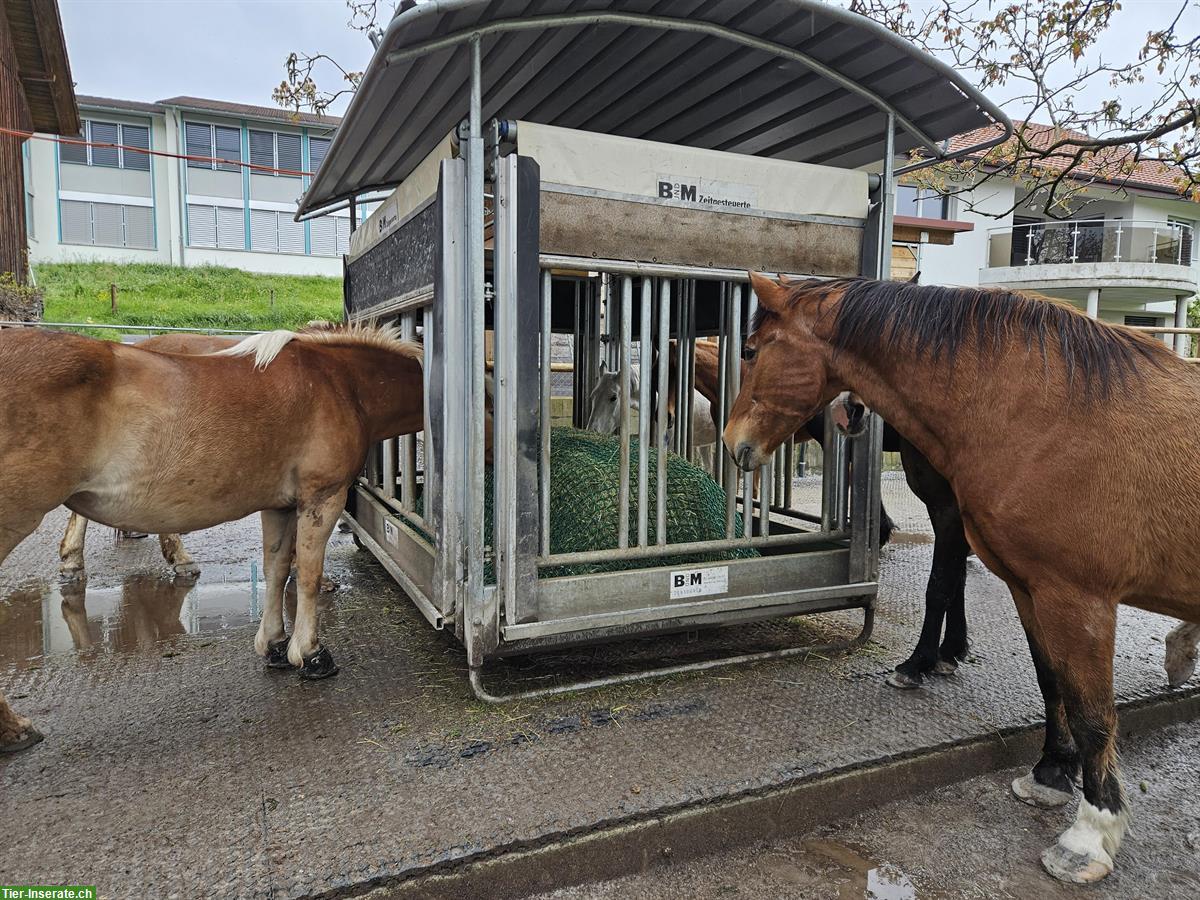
<point x="1090" y="241"/>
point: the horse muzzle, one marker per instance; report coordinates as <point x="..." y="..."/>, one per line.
<point x="849" y="414"/>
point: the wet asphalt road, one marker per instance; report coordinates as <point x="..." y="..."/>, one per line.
<point x="173" y="759"/>
<point x="971" y="841"/>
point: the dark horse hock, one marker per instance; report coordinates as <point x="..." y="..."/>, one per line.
<point x="1091" y="420"/>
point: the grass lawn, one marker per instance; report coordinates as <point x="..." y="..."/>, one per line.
<point x="202" y="297"/>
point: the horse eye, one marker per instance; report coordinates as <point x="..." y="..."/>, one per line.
<point x="614" y="397"/>
<point x="748" y="353"/>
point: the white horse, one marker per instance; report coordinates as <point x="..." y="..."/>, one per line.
<point x="604" y="414"/>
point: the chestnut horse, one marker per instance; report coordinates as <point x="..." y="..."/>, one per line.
<point x="280" y="423"/>
<point x="1058" y="433"/>
<point x="70" y="549"/>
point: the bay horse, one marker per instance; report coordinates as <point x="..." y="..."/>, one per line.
<point x="945" y="593"/>
<point x="280" y="424"/>
<point x="1057" y="433"/>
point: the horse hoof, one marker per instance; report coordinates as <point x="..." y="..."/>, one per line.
<point x="186" y="570"/>
<point x="1075" y="868"/>
<point x="318" y="665"/>
<point x="328" y="585"/>
<point x="72" y="576"/>
<point x="904" y="682"/>
<point x="25" y="739"/>
<point x="945" y="667"/>
<point x="1029" y="790"/>
<point x="1180" y="662"/>
<point x="277" y="654"/>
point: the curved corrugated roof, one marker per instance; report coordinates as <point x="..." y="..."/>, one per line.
<point x="788" y="79"/>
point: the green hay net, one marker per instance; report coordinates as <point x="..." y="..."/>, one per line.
<point x="585" y="477"/>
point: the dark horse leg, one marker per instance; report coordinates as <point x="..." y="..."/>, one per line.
<point x="944" y="595"/>
<point x="815" y="428"/>
<point x="1074" y="658"/>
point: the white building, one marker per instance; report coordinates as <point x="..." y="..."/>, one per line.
<point x="202" y="207"/>
<point x="1127" y="255"/>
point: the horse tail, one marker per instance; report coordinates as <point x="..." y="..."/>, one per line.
<point x="263" y="347"/>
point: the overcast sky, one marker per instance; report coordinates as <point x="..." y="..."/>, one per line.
<point x="220" y="49"/>
<point x="235" y="49"/>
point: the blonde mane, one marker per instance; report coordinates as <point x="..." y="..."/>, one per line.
<point x="268" y="345"/>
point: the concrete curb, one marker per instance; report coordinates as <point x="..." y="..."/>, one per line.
<point x="624" y="847"/>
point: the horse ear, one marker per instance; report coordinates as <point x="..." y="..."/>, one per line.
<point x="916" y="279"/>
<point x="771" y="294"/>
<point x="603" y="366"/>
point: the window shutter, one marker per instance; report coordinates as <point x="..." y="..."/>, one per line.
<point x="324" y="236"/>
<point x="108" y="225"/>
<point x="343" y="236"/>
<point x="262" y="149"/>
<point x="105" y="133"/>
<point x="74" y="153"/>
<point x="199" y="143"/>
<point x="231" y="228"/>
<point x="135" y="136"/>
<point x="317" y="149"/>
<point x="289" y="152"/>
<point x="229" y="146"/>
<point x="263" y="233"/>
<point x="202" y="226"/>
<point x="76" y="221"/>
<point x="291" y="234"/>
<point x="139" y="227"/>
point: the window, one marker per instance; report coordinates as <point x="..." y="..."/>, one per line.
<point x="218" y="227"/>
<point x="921" y="203"/>
<point x="275" y="232"/>
<point x="107" y="224"/>
<point x="330" y="236"/>
<point x="27" y="167"/>
<point x="213" y="146"/>
<point x="275" y="150"/>
<point x="122" y="146"/>
<point x="318" y="148"/>
<point x="1144" y="321"/>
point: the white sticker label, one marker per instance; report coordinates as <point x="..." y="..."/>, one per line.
<point x="707" y="192"/>
<point x="699" y="582"/>
<point x="391" y="534"/>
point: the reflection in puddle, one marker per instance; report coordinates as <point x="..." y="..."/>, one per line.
<point x="141" y="614"/>
<point x="869" y="879"/>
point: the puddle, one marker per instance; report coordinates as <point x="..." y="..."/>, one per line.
<point x="145" y="612"/>
<point x="869" y="879"/>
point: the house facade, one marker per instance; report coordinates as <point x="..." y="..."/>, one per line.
<point x="1126" y="254"/>
<point x="225" y="196"/>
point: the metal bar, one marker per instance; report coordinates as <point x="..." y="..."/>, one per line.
<point x="677" y="432"/>
<point x="408" y="442"/>
<point x="583" y="557"/>
<point x="689" y="371"/>
<point x="828" y="482"/>
<point x="477" y="626"/>
<point x="790" y="471"/>
<point x="733" y="384"/>
<point x="476" y="676"/>
<point x="719" y="457"/>
<point x="626" y="362"/>
<point x="645" y="370"/>
<point x="664" y="362"/>
<point x="658" y="270"/>
<point x="544" y="432"/>
<point x="766" y="472"/>
<point x="387" y="479"/>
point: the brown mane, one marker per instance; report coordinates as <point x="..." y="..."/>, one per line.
<point x="875" y="317"/>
